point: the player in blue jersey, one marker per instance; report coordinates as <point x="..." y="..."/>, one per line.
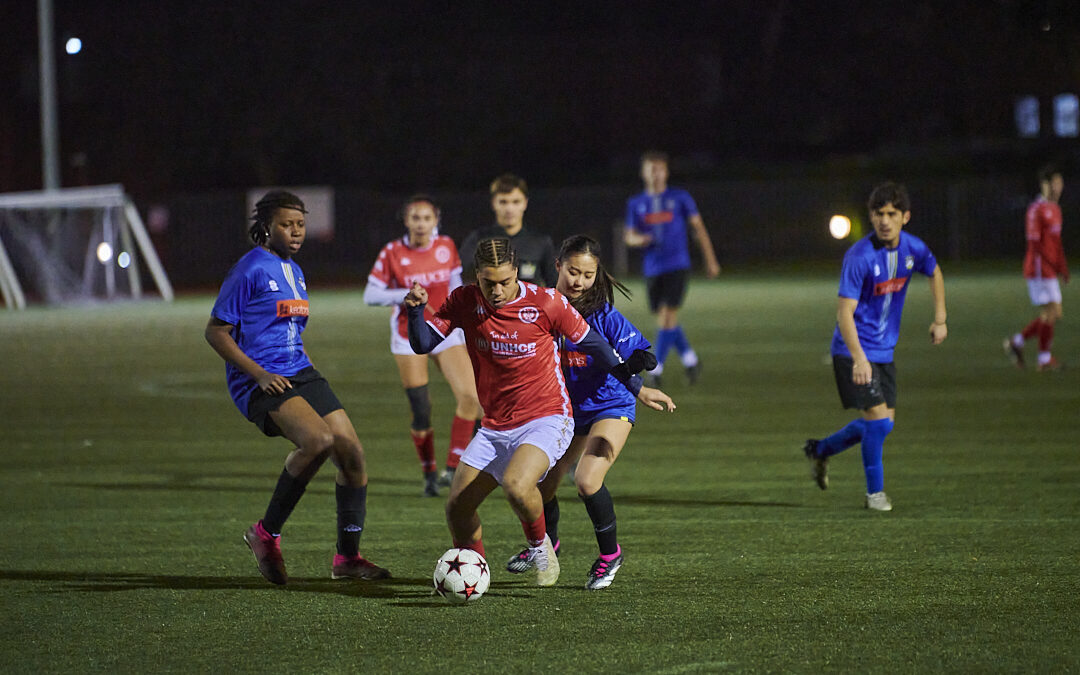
<point x="604" y="410"/>
<point x="255" y="325"/>
<point x="873" y="283"/>
<point x="656" y="221"/>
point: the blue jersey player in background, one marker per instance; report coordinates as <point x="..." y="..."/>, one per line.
<point x="255" y="326"/>
<point x="873" y="283"/>
<point x="604" y="409"/>
<point x="658" y="221"/>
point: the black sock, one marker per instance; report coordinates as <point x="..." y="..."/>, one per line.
<point x="287" y="493"/>
<point x="602" y="513"/>
<point x="551" y="519"/>
<point x="351" y="511"/>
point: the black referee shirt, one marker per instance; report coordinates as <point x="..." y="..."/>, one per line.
<point x="536" y="254"/>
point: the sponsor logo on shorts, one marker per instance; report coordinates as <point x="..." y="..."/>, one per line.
<point x="289" y="308"/>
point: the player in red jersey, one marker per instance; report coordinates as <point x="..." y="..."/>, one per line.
<point x="510" y="332"/>
<point x="1044" y="265"/>
<point x="426" y="257"/>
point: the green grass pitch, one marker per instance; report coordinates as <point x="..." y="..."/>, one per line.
<point x="128" y="478"/>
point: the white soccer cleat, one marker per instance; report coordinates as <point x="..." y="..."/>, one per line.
<point x="878" y="501"/>
<point x="549" y="573"/>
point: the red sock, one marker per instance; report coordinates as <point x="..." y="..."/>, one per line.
<point x="1046" y="337"/>
<point x="535" y="530"/>
<point x="425" y="448"/>
<point x="477" y="546"/>
<point x="1032" y="329"/>
<point x="461" y="432"/>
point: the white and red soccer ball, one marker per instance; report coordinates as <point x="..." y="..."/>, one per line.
<point x="461" y="575"/>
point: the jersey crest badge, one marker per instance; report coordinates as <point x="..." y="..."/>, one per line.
<point x="442" y="254"/>
<point x="528" y="314"/>
<point x="909" y="262"/>
<point x="877" y="270"/>
<point x="274" y="286"/>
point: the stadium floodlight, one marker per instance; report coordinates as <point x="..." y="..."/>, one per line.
<point x="839" y="226"/>
<point x="73" y="45"/>
<point x="64" y="243"/>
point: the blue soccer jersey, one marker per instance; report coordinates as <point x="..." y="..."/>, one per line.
<point x="265" y="299"/>
<point x="663" y="217"/>
<point x="878" y="278"/>
<point x="592" y="389"/>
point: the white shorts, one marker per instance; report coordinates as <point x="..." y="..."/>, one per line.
<point x="491" y="450"/>
<point x="400" y="345"/>
<point x="1044" y="291"/>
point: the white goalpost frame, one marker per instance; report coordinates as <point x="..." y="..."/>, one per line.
<point x="105" y="197"/>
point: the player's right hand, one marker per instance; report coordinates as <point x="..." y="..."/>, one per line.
<point x="273" y="384"/>
<point x="417" y="296"/>
<point x="861" y="372"/>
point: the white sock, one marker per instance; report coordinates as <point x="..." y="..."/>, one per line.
<point x="689" y="359"/>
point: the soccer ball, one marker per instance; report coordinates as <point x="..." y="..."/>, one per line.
<point x="461" y="575"/>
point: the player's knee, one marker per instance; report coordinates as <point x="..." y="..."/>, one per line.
<point x="420" y="404"/>
<point x="587" y="484"/>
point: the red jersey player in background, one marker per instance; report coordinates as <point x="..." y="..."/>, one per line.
<point x="426" y="257"/>
<point x="1044" y="265"/>
<point x="511" y="330"/>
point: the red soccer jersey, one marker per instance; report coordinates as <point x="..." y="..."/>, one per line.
<point x="1045" y="257"/>
<point x="398" y="266"/>
<point x="514" y="350"/>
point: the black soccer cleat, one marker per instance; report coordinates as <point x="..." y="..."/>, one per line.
<point x="819" y="467"/>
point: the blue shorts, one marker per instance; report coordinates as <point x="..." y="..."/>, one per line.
<point x="584" y="419"/>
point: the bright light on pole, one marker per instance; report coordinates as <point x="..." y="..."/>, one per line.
<point x="73" y="45"/>
<point x="839" y="226"/>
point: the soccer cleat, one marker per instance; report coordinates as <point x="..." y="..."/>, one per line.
<point x="693" y="373"/>
<point x="1015" y="354"/>
<point x="603" y="573"/>
<point x="1050" y="366"/>
<point x="431" y="484"/>
<point x="819" y="466"/>
<point x="356" y="567"/>
<point x="877" y="501"/>
<point x="542" y="558"/>
<point x="446" y="477"/>
<point x="267" y="551"/>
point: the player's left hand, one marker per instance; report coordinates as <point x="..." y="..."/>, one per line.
<point x="417" y="296"/>
<point x="712" y="270"/>
<point x="938" y="333"/>
<point x="656" y="399"/>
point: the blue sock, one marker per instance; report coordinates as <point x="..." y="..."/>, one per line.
<point x="872" y="447"/>
<point x="665" y="339"/>
<point x="843" y="439"/>
<point x="682" y="345"/>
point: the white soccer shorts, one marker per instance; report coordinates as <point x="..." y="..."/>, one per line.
<point x="491" y="450"/>
<point x="400" y="345"/>
<point x="1044" y="291"/>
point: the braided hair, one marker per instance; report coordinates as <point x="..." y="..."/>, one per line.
<point x="495" y="252"/>
<point x="603" y="288"/>
<point x="263" y="215"/>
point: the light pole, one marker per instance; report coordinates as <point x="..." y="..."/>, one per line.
<point x="50" y="135"/>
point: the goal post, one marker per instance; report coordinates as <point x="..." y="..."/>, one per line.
<point x="74" y="245"/>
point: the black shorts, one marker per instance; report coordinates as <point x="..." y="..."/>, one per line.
<point x="667" y="289"/>
<point x="308" y="383"/>
<point x="882" y="387"/>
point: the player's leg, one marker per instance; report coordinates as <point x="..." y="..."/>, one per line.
<point x="413" y="370"/>
<point x="1049" y="313"/>
<point x="467" y="491"/>
<point x="879" y="421"/>
<point x="549" y="487"/>
<point x="350" y="493"/>
<point x="297" y="421"/>
<point x="676" y="294"/>
<point x="605" y="441"/>
<point x="457" y="369"/>
<point x="520" y="481"/>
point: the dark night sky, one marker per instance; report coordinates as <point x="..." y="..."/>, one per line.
<point x="182" y="96"/>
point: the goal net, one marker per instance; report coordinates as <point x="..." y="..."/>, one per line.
<point x="75" y="245"/>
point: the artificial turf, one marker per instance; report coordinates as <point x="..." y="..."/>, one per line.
<point x="128" y="478"/>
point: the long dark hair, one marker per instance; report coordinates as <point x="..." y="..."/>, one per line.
<point x="264" y="213"/>
<point x="603" y="288"/>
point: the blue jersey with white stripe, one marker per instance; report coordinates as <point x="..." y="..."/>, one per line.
<point x="663" y="217"/>
<point x="878" y="278"/>
<point x="265" y="299"/>
<point x="592" y="389"/>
